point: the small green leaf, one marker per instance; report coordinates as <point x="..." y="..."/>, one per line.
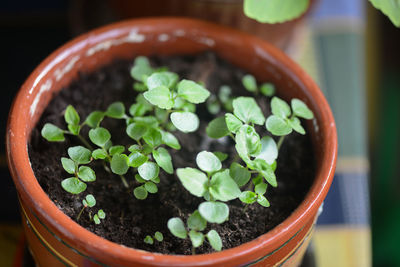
<point x="196" y="222"/>
<point x="260" y="188"/>
<point x="213" y="106"/>
<point x="248" y="197"/>
<point x="141" y="69"/>
<point x="79" y="154"/>
<point x="135" y="159"/>
<point x="99" y="136"/>
<point x="280" y="108"/>
<point x="158" y="236"/>
<point x="161" y="114"/>
<point x="214" y="212"/>
<point x="157" y="79"/>
<point x="170" y="140"/>
<point x="266" y="170"/>
<point x="390" y="8"/>
<point x="221" y="156"/>
<point x="223" y="187"/>
<point x="267" y="89"/>
<point x="102" y="214"/>
<point x="140" y="192"/>
<point x="193" y="180"/>
<point x="99" y="153"/>
<point x="116" y="110"/>
<point x="160" y="97"/>
<point x="163" y="159"/>
<point x="151" y="187"/>
<point x="148" y="240"/>
<point x="86" y="174"/>
<point x="185" y="121"/>
<point x="296" y="125"/>
<point x="232" y="122"/>
<point x="258" y="179"/>
<point x="90" y="200"/>
<point x="52" y="133"/>
<point x="134" y="148"/>
<point x="139" y="179"/>
<point x="119" y="164"/>
<point x="224" y="93"/>
<point x="153" y="137"/>
<point x="177" y="228"/>
<point x="278" y="126"/>
<point x="249" y="82"/>
<point x="149" y="121"/>
<point x="263" y="201"/>
<point x="192" y="92"/>
<point x="148" y="170"/>
<point x="96" y="219"/>
<point x="94" y="119"/>
<point x="247" y="110"/>
<point x="208" y="162"/>
<point x="217" y="128"/>
<point x="116" y="150"/>
<point x="136" y="130"/>
<point x="196" y="238"/>
<point x="71" y="116"/>
<point x="215" y="240"/>
<point x="239" y="174"/>
<point x="269" y="150"/>
<point x="139" y="87"/>
<point x="139" y="109"/>
<point x="73" y="185"/>
<point x="247" y="142"/>
<point x="68" y="165"/>
<point x="301" y="110"/>
<point x="156" y="180"/>
<point x="74" y="129"/>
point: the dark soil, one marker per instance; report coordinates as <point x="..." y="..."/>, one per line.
<point x="129" y="220"/>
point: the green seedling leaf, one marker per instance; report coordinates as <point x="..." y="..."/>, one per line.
<point x="94" y="119"/>
<point x="134" y="148"/>
<point x="151" y="187"/>
<point x="247" y="110"/>
<point x="52" y="133"/>
<point x="247" y="141"/>
<point x="196" y="222"/>
<point x="185" y="121"/>
<point x="263" y="201"/>
<point x="119" y="164"/>
<point x="267" y="89"/>
<point x="156" y="180"/>
<point x="73" y="185"/>
<point x="196" y="238"/>
<point x="274" y="11"/>
<point x="269" y="150"/>
<point x="158" y="236"/>
<point x="217" y="128"/>
<point x="280" y="108"/>
<point x="208" y="162"/>
<point x="214" y="212"/>
<point x="146" y="149"/>
<point x="193" y="180"/>
<point x="170" y="140"/>
<point x="148" y="170"/>
<point x="141" y="69"/>
<point x="160" y="97"/>
<point x="296" y="125"/>
<point x="148" y="240"/>
<point x="390" y="8"/>
<point x="153" y="137"/>
<point x="278" y="126"/>
<point x="258" y="179"/>
<point x="71" y="116"/>
<point x="116" y="110"/>
<point x="139" y="179"/>
<point x="250" y="83"/>
<point x="99" y="136"/>
<point x="116" y="150"/>
<point x="135" y="159"/>
<point x="221" y="156"/>
<point x="102" y="214"/>
<point x="232" y="122"/>
<point x="140" y="192"/>
<point x="248" y="197"/>
<point x="161" y="114"/>
<point x="223" y="187"/>
<point x="177" y="228"/>
<point x="99" y="153"/>
<point x="139" y="109"/>
<point x="215" y="240"/>
<point x="139" y="87"/>
<point x="239" y="174"/>
<point x="224" y="93"/>
<point x="192" y="92"/>
<point x="301" y="110"/>
<point x="74" y="129"/>
<point x="68" y="165"/>
<point x="79" y="154"/>
<point x="213" y="106"/>
<point x="96" y="219"/>
<point x="86" y="174"/>
<point x="260" y="188"/>
<point x="163" y="159"/>
<point x="90" y="201"/>
<point x="136" y="130"/>
<point x="157" y="79"/>
<point x="149" y="121"/>
<point x="266" y="170"/>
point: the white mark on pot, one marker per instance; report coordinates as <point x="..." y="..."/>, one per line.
<point x="163" y="37"/>
<point x="133" y="37"/>
<point x="45" y="87"/>
<point x="59" y="73"/>
<point x="148" y="258"/>
<point x="316" y="126"/>
<point x="179" y="33"/>
<point x="207" y="41"/>
<point x="264" y="54"/>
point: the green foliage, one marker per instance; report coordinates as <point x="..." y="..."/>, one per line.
<point x="141" y="69"/>
<point x="269" y="150"/>
<point x="221" y="156"/>
<point x="140" y="192"/>
<point x="89" y="201"/>
<point x="185" y="121"/>
<point x="94" y="119"/>
<point x="214" y="212"/>
<point x="148" y="170"/>
<point x="390" y="8"/>
<point x="208" y="162"/>
<point x="163" y="159"/>
<point x="52" y="133"/>
<point x="68" y="165"/>
<point x="239" y="174"/>
<point x="119" y="164"/>
<point x="73" y="185"/>
<point x="99" y="136"/>
<point x="79" y="154"/>
<point x="196" y="222"/>
<point x="116" y="110"/>
<point x="217" y="128"/>
<point x="301" y="110"/>
<point x="193" y="180"/>
<point x="267" y="89"/>
<point x="192" y="92"/>
<point x="247" y="110"/>
<point x="177" y="228"/>
<point x="148" y="240"/>
<point x="215" y="240"/>
<point x="86" y="174"/>
<point x="223" y="187"/>
<point x="250" y="83"/>
<point x="160" y="97"/>
<point x="158" y="236"/>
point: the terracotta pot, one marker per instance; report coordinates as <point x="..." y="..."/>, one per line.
<point x="55" y="239"/>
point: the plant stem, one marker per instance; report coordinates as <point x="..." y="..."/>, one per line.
<point x="80" y="213"/>
<point x="124" y="182"/>
<point x="193" y="251"/>
<point x="280" y="142"/>
<point x="245" y="208"/>
<point x="83" y="140"/>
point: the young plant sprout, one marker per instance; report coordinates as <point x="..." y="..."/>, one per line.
<point x="164" y="104"/>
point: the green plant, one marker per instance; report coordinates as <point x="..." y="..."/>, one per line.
<point x="158" y="236"/>
<point x="89" y="202"/>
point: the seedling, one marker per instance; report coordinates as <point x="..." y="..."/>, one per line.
<point x="158" y="236"/>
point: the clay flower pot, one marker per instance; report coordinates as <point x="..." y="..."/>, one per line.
<point x="56" y="240"/>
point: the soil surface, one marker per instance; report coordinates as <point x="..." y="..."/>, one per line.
<point x="129" y="220"/>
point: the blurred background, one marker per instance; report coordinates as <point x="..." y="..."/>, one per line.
<point x="349" y="48"/>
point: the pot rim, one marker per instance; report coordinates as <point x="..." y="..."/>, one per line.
<point x="28" y="187"/>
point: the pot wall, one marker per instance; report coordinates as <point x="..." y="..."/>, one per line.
<point x="55" y="239"/>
